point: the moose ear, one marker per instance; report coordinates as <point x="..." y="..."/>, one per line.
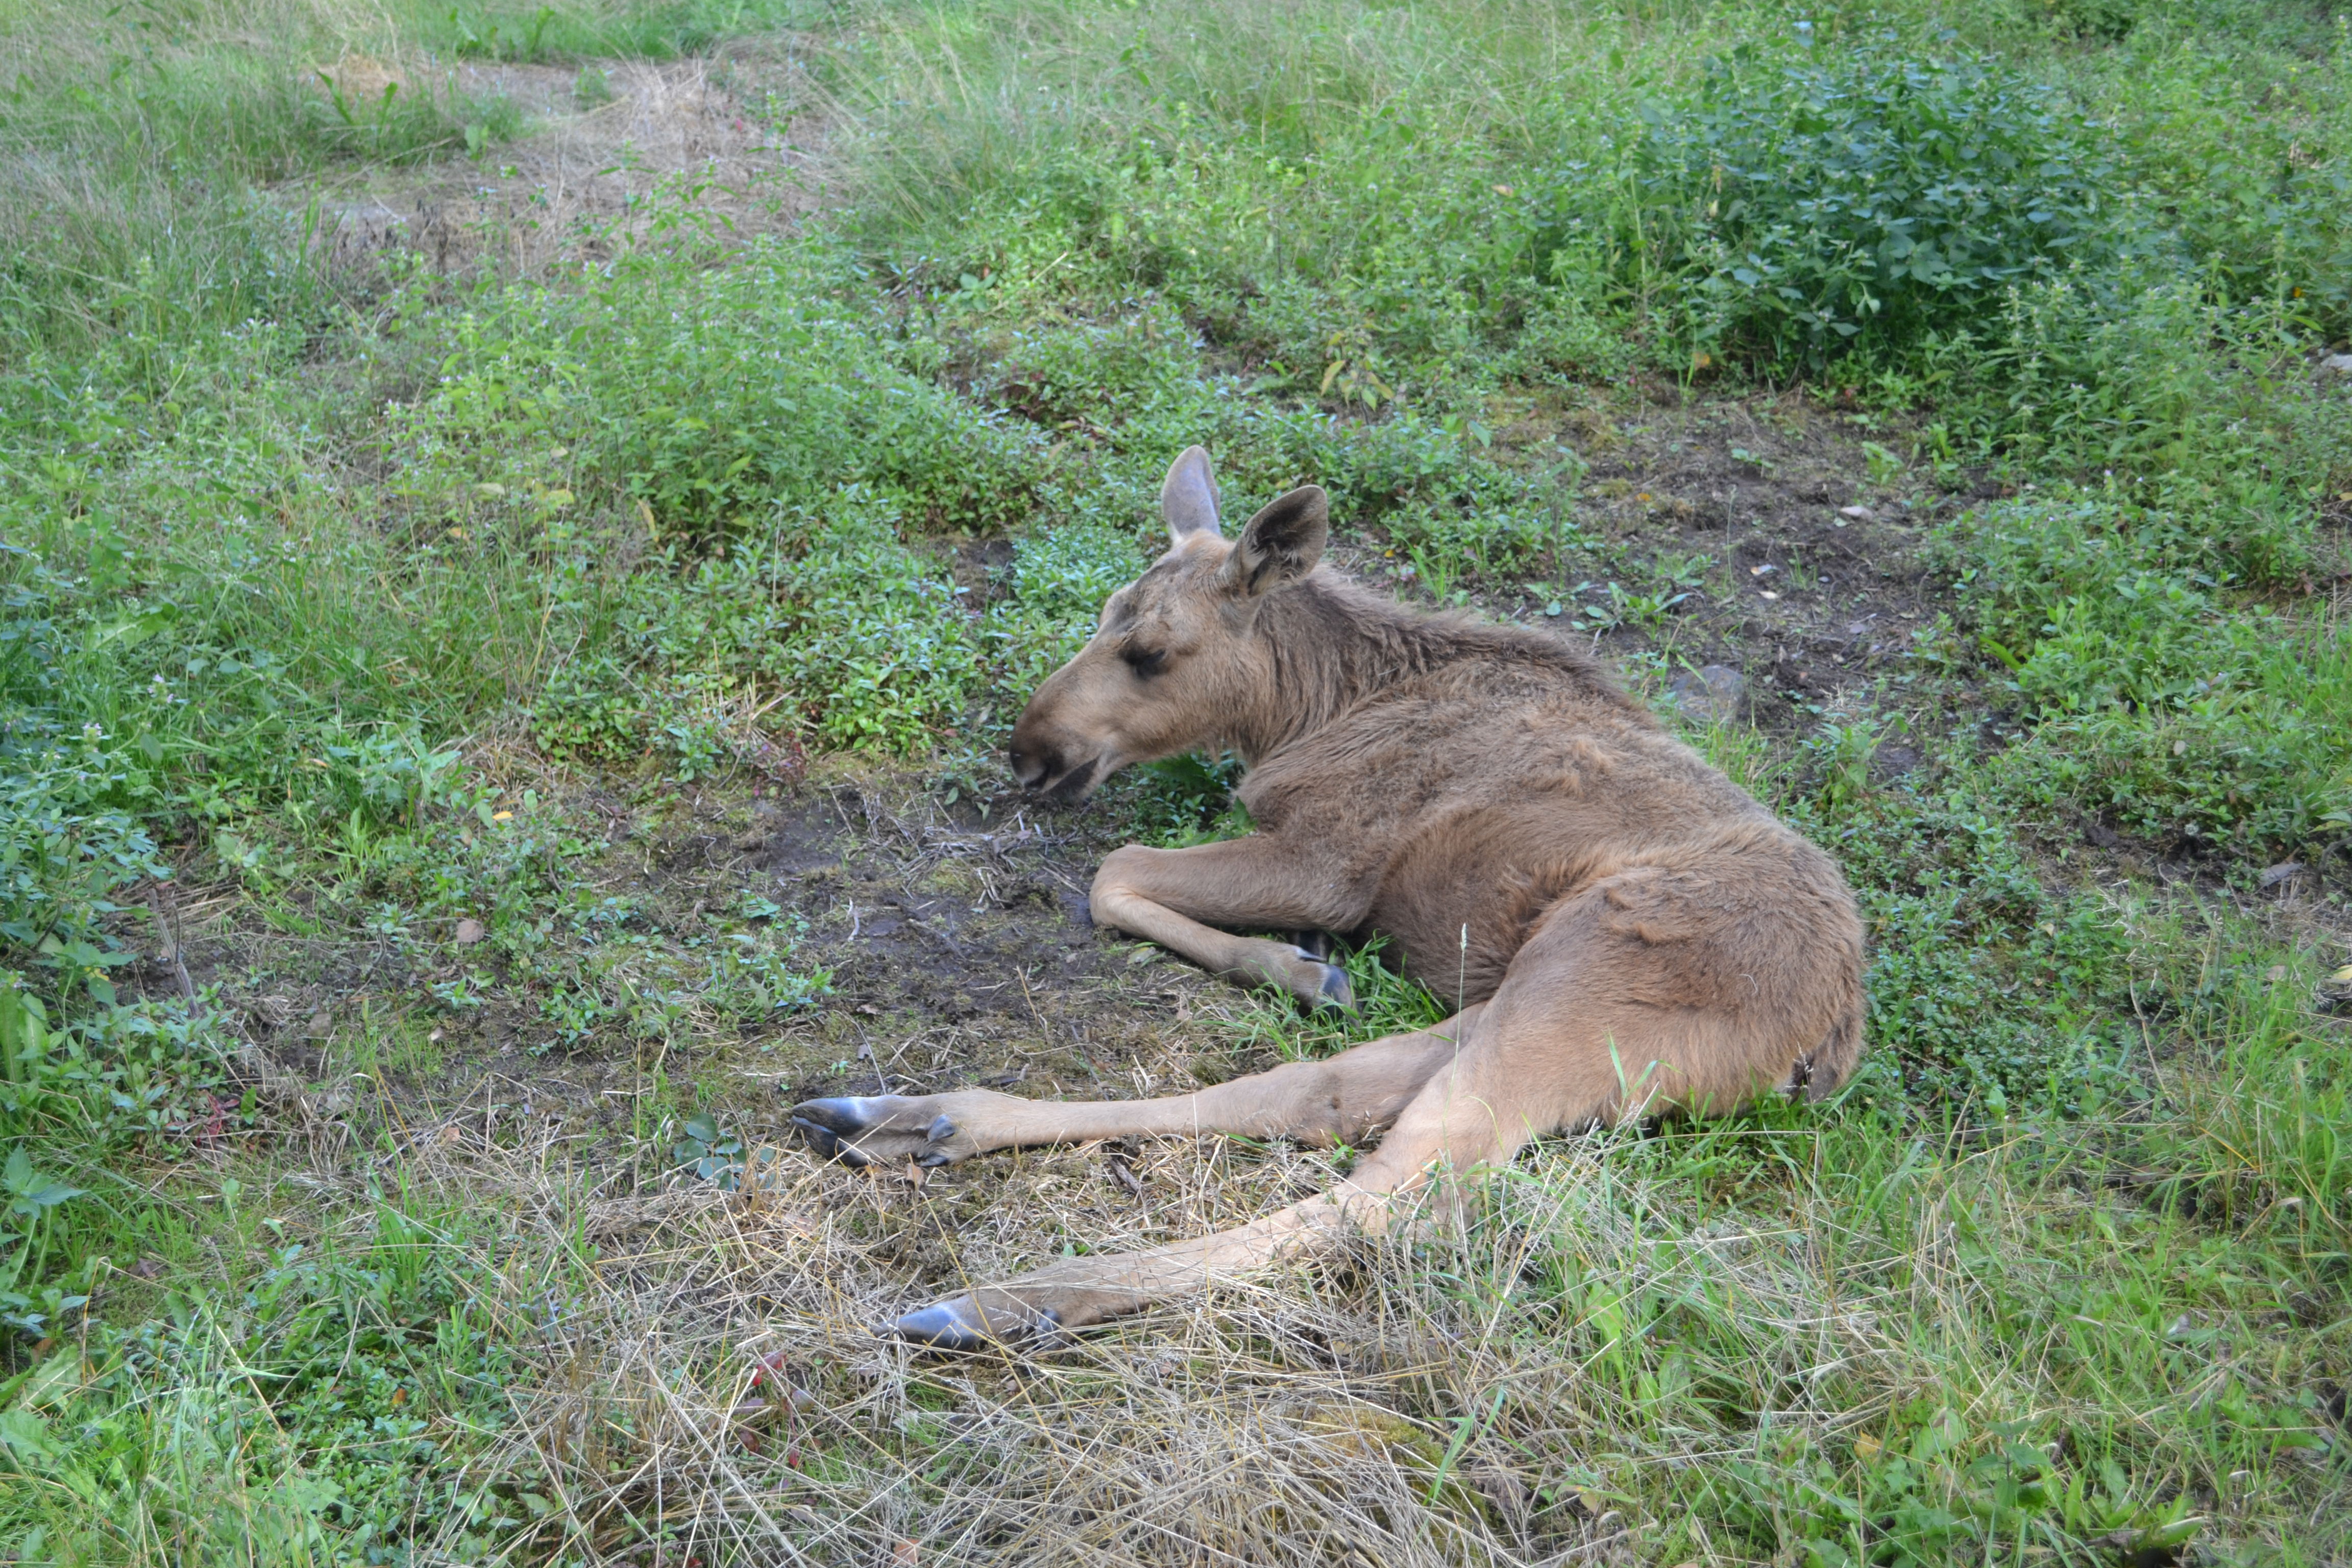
<point x="1188" y="497"/>
<point x="1281" y="543"/>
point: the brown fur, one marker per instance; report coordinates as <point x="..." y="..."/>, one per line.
<point x="1623" y="929"/>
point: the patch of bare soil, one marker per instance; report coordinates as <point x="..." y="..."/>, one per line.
<point x="960" y="953"/>
<point x="600" y="145"/>
<point x="1801" y="560"/>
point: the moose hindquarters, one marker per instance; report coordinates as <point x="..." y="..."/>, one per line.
<point x="1693" y="983"/>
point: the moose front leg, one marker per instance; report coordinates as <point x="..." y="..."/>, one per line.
<point x="1165" y="895"/>
<point x="1340" y="1100"/>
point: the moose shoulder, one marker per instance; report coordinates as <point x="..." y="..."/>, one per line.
<point x="1624" y="929"/>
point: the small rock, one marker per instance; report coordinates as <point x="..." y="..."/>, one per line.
<point x="470" y="931"/>
<point x="1713" y="693"/>
<point x="2273" y="874"/>
<point x="1895" y="761"/>
<point x="2336" y="364"/>
<point x="1858" y="513"/>
<point x="2334" y="993"/>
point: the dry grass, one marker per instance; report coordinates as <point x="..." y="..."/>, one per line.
<point x="1433" y="1400"/>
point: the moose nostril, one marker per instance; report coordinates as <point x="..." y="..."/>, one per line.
<point x="1028" y="766"/>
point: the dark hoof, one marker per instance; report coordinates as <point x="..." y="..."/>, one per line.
<point x="958" y="1328"/>
<point x="882" y="1130"/>
<point x="1315" y="943"/>
<point x="1335" y="991"/>
<point x="825" y="1142"/>
<point x="846" y="1116"/>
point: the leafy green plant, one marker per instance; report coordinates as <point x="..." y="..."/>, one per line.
<point x="1190" y="799"/>
<point x="2107" y="20"/>
<point x="710" y="1154"/>
<point x="1434" y="571"/>
<point x="1821" y="201"/>
<point x="1840" y="756"/>
<point x="753" y="973"/>
<point x="1944" y="1488"/>
<point x="1649" y="609"/>
<point x="33" y="1200"/>
<point x="1684" y="571"/>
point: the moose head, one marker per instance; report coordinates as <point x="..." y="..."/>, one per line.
<point x="1176" y="663"/>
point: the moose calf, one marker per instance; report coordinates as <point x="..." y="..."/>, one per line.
<point x="1626" y="930"/>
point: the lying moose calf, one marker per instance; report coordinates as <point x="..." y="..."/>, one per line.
<point x="1628" y="931"/>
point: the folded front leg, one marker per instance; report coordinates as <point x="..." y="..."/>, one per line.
<point x="1254" y="883"/>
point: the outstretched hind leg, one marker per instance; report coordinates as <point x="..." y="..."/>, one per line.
<point x="1465" y="1114"/>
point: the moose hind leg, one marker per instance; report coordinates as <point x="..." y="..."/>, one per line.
<point x="1462" y="1115"/>
<point x="1654" y="990"/>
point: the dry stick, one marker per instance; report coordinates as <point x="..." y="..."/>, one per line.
<point x="167" y="927"/>
<point x="1559" y="573"/>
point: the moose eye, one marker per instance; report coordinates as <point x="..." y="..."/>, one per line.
<point x="1145" y="664"/>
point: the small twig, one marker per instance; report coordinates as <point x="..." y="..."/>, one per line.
<point x="1125" y="1175"/>
<point x="167" y="928"/>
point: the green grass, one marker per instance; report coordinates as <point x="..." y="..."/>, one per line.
<point x="343" y="593"/>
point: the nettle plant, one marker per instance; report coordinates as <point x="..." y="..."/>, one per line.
<point x="1814" y="202"/>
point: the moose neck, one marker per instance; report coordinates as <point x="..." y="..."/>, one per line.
<point x="1328" y="645"/>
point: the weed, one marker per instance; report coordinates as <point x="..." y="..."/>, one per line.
<point x="1821" y="203"/>
<point x="2183" y="717"/>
